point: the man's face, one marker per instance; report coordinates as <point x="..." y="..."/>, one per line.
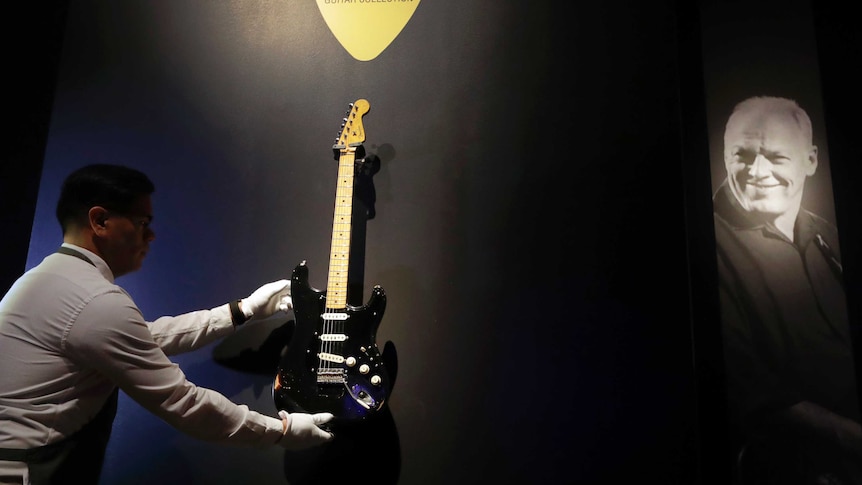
<point x="128" y="237"/>
<point x="768" y="158"/>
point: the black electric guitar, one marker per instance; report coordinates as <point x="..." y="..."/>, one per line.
<point x="332" y="362"/>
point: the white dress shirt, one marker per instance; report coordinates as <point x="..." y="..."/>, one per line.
<point x="69" y="335"/>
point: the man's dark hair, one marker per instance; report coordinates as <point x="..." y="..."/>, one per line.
<point x="113" y="187"/>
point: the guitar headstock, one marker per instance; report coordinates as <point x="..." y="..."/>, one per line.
<point x="352" y="131"/>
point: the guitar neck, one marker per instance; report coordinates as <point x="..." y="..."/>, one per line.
<point x="339" y="256"/>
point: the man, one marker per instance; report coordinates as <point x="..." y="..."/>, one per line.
<point x="788" y="351"/>
<point x="70" y="338"/>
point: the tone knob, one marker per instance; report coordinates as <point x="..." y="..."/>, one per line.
<point x="363" y="369"/>
<point x="375" y="379"/>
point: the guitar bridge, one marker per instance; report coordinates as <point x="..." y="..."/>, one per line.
<point x="330" y="376"/>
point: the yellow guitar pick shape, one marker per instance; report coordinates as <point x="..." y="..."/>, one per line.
<point x="366" y="27"/>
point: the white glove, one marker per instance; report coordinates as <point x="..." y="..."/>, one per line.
<point x="302" y="430"/>
<point x="267" y="300"/>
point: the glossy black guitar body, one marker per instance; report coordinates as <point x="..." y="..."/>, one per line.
<point x="332" y="363"/>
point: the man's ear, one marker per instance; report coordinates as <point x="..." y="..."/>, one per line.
<point x="97" y="216"/>
<point x="812" y="161"/>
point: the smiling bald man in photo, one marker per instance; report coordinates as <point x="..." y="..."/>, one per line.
<point x="791" y="382"/>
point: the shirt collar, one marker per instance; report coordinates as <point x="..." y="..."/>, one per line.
<point x="98" y="262"/>
<point x="727" y="207"/>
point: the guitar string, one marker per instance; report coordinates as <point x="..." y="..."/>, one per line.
<point x="346" y="162"/>
<point x="334" y="327"/>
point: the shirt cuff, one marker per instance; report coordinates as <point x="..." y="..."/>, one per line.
<point x="275" y="430"/>
<point x="220" y="317"/>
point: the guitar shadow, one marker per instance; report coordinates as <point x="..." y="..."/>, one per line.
<point x="368" y="449"/>
<point x="256" y="349"/>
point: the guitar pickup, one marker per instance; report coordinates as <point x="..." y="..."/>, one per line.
<point x="326" y="356"/>
<point x="334" y="316"/>
<point x="333" y="337"/>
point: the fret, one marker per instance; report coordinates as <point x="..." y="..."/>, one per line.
<point x="339" y="256"/>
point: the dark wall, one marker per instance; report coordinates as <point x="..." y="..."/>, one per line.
<point x="32" y="43"/>
<point x="536" y="226"/>
<point x="839" y="48"/>
<point x="712" y="442"/>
